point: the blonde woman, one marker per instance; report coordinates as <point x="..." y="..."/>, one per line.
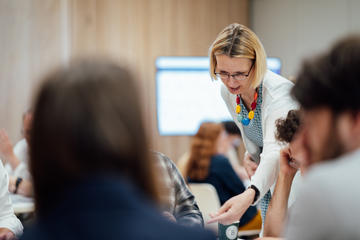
<point x="255" y="98"/>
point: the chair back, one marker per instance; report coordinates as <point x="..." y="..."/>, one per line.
<point x="208" y="201"/>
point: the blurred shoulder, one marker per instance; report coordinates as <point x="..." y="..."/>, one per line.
<point x="274" y="81"/>
<point x="220" y="160"/>
<point x="276" y="92"/>
<point x="346" y="166"/>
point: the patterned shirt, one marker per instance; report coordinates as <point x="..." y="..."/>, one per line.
<point x="181" y="202"/>
<point x="253" y="131"/>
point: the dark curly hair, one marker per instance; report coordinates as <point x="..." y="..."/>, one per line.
<point x="231" y="128"/>
<point x="287" y="127"/>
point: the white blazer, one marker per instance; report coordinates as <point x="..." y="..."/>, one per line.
<point x="276" y="102"/>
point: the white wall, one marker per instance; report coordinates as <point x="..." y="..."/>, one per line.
<point x="292" y="29"/>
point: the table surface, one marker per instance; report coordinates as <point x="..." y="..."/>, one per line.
<point x="22" y="204"/>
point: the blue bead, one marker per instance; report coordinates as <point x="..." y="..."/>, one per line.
<point x="245" y="121"/>
<point x="240" y="118"/>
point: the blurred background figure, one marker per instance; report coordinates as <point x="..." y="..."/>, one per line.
<point x="15" y="158"/>
<point x="234" y="149"/>
<point x="94" y="179"/>
<point x="231" y="146"/>
<point x="209" y="164"/>
<point x="10" y="225"/>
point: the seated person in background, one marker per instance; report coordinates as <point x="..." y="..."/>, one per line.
<point x="231" y="146"/>
<point x="179" y="203"/>
<point x="10" y="225"/>
<point x="289" y="156"/>
<point x="93" y="178"/>
<point x="207" y="165"/>
<point x="15" y="159"/>
<point x="234" y="148"/>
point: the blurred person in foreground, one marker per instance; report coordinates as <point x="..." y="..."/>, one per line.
<point x="327" y="90"/>
<point x="179" y="203"/>
<point x="93" y="177"/>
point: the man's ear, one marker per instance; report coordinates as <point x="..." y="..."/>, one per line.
<point x="356" y="123"/>
<point x="349" y="128"/>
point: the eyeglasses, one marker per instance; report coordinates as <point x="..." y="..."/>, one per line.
<point x="237" y="76"/>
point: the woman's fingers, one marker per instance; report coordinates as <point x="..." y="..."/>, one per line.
<point x="234" y="208"/>
<point x="223" y="219"/>
<point x="223" y="215"/>
<point x="250" y="166"/>
<point x="224" y="208"/>
<point x="253" y="164"/>
<point x="254" y="167"/>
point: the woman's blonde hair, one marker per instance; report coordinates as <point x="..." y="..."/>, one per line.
<point x="203" y="147"/>
<point x="236" y="40"/>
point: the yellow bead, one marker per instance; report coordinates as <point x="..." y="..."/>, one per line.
<point x="238" y="109"/>
<point x="251" y="114"/>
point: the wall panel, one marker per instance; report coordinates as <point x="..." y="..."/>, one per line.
<point x="43" y="33"/>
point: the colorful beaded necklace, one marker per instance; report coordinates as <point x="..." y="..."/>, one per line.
<point x="245" y="121"/>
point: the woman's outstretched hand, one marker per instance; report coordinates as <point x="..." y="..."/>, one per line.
<point x="234" y="208"/>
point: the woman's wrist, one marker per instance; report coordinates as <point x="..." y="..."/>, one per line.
<point x="253" y="193"/>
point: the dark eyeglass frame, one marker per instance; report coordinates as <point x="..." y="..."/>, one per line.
<point x="236" y="76"/>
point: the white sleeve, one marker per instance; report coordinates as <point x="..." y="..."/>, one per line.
<point x="268" y="168"/>
<point x="267" y="171"/>
<point x="7" y="217"/>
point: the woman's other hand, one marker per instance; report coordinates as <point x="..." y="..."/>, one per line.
<point x="250" y="165"/>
